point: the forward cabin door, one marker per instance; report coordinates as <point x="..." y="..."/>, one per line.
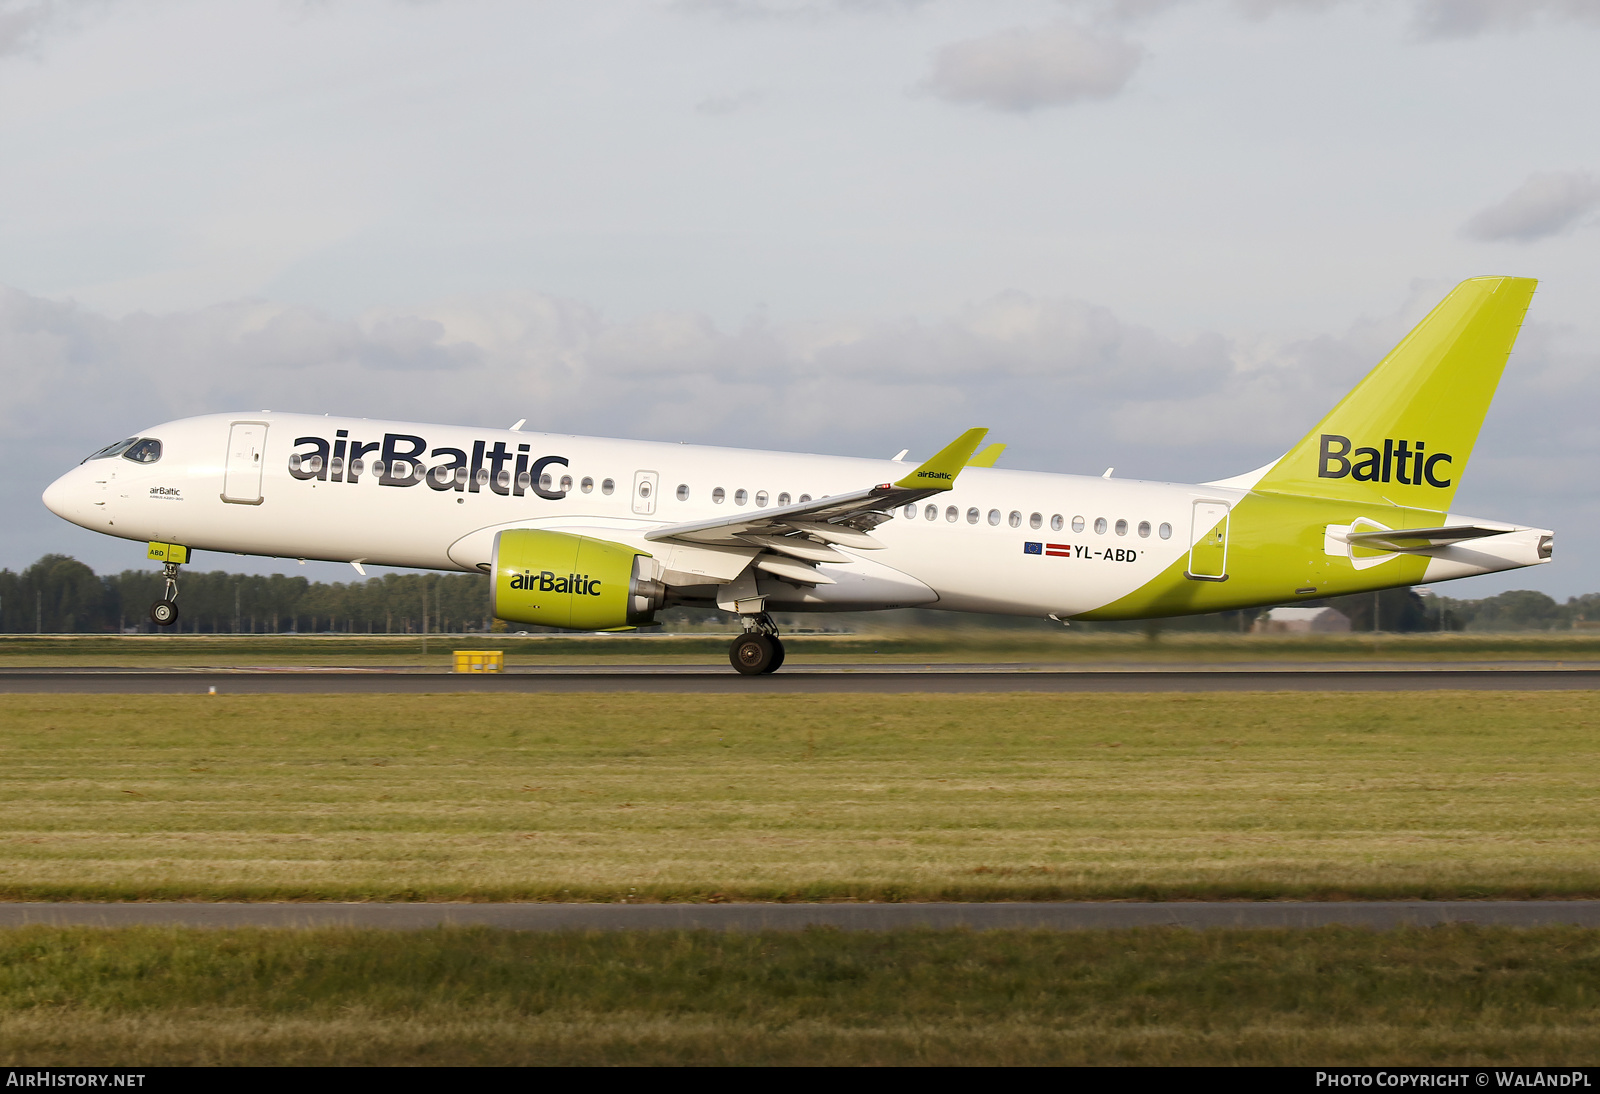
<point x="247" y="446"/>
<point x="1208" y="539"/>
<point x="644" y="492"/>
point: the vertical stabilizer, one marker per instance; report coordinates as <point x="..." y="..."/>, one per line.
<point x="1405" y="433"/>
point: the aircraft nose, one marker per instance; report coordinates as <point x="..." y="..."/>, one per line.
<point x="64" y="497"/>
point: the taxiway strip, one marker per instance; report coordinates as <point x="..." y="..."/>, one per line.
<point x="796" y="681"/>
<point x="1375" y="915"/>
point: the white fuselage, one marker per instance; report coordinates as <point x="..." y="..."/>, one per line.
<point x="965" y="550"/>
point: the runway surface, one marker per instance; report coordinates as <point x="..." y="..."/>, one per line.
<point x="797" y="680"/>
<point x="1378" y="915"/>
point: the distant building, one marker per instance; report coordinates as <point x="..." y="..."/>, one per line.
<point x="1302" y="621"/>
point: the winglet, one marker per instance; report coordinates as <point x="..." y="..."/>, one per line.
<point x="940" y="471"/>
<point x="988" y="457"/>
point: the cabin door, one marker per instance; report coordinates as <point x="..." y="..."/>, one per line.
<point x="1208" y="539"/>
<point x="247" y="445"/>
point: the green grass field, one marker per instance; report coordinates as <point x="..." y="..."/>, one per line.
<point x="892" y="797"/>
<point x="1327" y="997"/>
<point x="1065" y="647"/>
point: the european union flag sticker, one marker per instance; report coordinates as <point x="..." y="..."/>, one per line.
<point x="1033" y="548"/>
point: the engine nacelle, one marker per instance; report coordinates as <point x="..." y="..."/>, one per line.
<point x="556" y="579"/>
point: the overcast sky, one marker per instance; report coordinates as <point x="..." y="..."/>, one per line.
<point x="1164" y="235"/>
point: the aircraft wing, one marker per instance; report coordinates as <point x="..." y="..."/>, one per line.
<point x="805" y="530"/>
<point x="1421" y="539"/>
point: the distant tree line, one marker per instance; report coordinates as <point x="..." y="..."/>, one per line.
<point x="60" y="594"/>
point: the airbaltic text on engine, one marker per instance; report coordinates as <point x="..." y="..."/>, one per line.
<point x="547" y="582"/>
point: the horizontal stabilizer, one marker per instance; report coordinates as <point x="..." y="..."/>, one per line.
<point x="1421" y="539"/>
<point x="988" y="456"/>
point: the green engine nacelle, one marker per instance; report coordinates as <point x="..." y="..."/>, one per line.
<point x="556" y="579"/>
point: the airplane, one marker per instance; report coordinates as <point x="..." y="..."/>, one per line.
<point x="598" y="535"/>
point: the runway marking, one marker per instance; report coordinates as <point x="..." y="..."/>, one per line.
<point x="1374" y="915"/>
<point x="865" y="680"/>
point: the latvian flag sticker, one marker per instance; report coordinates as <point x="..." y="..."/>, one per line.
<point x="1054" y="550"/>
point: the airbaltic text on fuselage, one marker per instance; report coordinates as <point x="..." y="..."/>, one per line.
<point x="1407" y="462"/>
<point x="402" y="461"/>
<point x="547" y="582"/>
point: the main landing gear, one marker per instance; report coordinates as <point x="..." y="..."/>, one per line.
<point x="164" y="612"/>
<point x="758" y="649"/>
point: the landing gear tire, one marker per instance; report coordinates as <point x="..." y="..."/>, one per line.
<point x="777" y="659"/>
<point x="163" y="613"/>
<point x="754" y="654"/>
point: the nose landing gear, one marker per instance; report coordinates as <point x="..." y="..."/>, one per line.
<point x="164" y="612"/>
<point x="758" y="649"/>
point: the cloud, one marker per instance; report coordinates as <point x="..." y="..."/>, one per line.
<point x="1435" y="19"/>
<point x="24" y="24"/>
<point x="717" y="106"/>
<point x="1022" y="70"/>
<point x="1548" y="203"/>
<point x="1068" y="384"/>
<point x="1430" y="19"/>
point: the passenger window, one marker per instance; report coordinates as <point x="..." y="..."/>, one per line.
<point x="718" y="496"/>
<point x="761" y="498"/>
<point x="587" y="485"/>
<point x="544" y="480"/>
<point x="1037" y="519"/>
<point x="804" y="498"/>
<point x="931" y="512"/>
<point x="1077" y="524"/>
<point x="1165" y="531"/>
<point x="683" y="491"/>
<point x="740" y="497"/>
<point x="994" y="517"/>
<point x="607" y="486"/>
<point x="644" y="487"/>
<point x="1099" y="526"/>
<point x="145" y="451"/>
<point x="952" y="514"/>
<point x="783" y="499"/>
<point x="566" y="482"/>
<point x="972" y="516"/>
<point x="911" y="511"/>
<point x="1122" y="527"/>
<point x="1015" y="519"/>
<point x="502" y="480"/>
<point x="524" y="480"/>
<point x="1144" y="529"/>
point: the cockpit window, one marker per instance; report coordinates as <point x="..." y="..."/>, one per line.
<point x="111" y="450"/>
<point x="146" y="450"/>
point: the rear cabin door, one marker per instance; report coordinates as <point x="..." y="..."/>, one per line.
<point x="644" y="492"/>
<point x="247" y="446"/>
<point x="1208" y="538"/>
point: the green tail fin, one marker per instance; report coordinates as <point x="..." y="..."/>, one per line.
<point x="1405" y="433"/>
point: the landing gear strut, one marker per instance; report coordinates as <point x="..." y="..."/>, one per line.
<point x="758" y="649"/>
<point x="164" y="612"/>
